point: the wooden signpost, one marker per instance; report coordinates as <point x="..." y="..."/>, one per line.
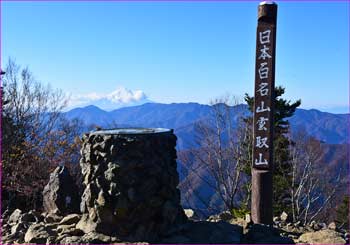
<point x="261" y="207"/>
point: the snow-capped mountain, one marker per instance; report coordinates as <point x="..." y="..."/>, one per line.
<point x="121" y="97"/>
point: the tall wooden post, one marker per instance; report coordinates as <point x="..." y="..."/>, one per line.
<point x="261" y="206"/>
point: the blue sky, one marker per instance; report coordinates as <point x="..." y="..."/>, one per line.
<point x="179" y="51"/>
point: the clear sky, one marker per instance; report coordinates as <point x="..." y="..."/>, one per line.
<point x="180" y="51"/>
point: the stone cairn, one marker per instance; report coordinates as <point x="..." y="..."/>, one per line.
<point x="130" y="181"/>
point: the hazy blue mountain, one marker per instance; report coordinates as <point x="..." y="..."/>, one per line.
<point x="333" y="129"/>
<point x="328" y="127"/>
<point x="161" y="115"/>
<point x="89" y="115"/>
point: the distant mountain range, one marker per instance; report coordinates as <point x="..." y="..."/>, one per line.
<point x="327" y="127"/>
<point x="332" y="129"/>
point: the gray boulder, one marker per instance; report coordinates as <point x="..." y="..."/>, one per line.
<point x="61" y="193"/>
<point x="37" y="233"/>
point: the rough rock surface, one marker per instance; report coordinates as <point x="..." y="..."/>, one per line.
<point x="321" y="237"/>
<point x="60" y="195"/>
<point x="64" y="230"/>
<point x="130" y="184"/>
<point x="37" y="233"/>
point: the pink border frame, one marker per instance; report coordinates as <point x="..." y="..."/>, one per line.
<point x="348" y="1"/>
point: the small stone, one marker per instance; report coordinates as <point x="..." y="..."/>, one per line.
<point x="284" y="216"/>
<point x="248" y="218"/>
<point x="15" y="216"/>
<point x="189" y="213"/>
<point x="332" y="226"/>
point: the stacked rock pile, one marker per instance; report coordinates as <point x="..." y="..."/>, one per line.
<point x="33" y="227"/>
<point x="130" y="181"/>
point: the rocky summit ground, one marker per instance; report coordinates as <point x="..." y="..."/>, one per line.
<point x="284" y="232"/>
<point x="34" y="227"/>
